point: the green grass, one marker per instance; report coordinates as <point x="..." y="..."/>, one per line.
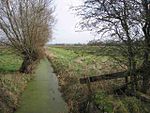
<point x="117" y="53"/>
<point x="81" y="65"/>
<point x="12" y="83"/>
<point x="11" y="88"/>
<point x="93" y="50"/>
<point x="9" y="62"/>
<point x="120" y="105"/>
<point x="71" y="65"/>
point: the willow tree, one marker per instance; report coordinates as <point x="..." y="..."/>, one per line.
<point x="26" y="26"/>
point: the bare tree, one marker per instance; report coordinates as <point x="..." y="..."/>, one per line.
<point x="26" y="26"/>
<point x="120" y="20"/>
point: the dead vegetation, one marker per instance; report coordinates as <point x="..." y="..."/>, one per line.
<point x="90" y="97"/>
<point x="11" y="88"/>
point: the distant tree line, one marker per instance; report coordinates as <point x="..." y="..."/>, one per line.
<point x="99" y="42"/>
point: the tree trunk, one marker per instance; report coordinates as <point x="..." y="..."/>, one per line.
<point x="146" y="62"/>
<point x="146" y="76"/>
<point x="27" y="66"/>
<point x="132" y="72"/>
<point x="132" y="67"/>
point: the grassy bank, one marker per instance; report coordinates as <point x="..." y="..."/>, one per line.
<point x="70" y="66"/>
<point x="12" y="83"/>
<point x="9" y="62"/>
<point x="93" y="50"/>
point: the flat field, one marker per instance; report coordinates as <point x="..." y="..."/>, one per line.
<point x="74" y="62"/>
<point x="86" y="58"/>
<point x="9" y="62"/>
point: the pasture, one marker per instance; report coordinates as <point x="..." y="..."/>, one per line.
<point x="9" y="62"/>
<point x="73" y="63"/>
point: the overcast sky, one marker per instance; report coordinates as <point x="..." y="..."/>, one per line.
<point x="65" y="31"/>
